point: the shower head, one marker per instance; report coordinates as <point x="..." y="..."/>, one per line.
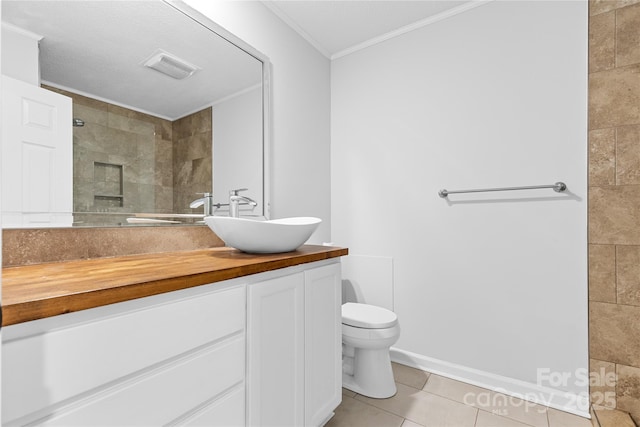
<point x="78" y="123"/>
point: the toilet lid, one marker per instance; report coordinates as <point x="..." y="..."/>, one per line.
<point x="367" y="316"/>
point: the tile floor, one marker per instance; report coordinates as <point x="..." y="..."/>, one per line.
<point x="430" y="400"/>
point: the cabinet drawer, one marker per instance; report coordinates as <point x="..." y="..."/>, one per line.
<point x="159" y="397"/>
<point x="45" y="369"/>
<point x="225" y="412"/>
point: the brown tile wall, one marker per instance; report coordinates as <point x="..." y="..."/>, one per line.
<point x="35" y="246"/>
<point x="614" y="204"/>
<point x="192" y="159"/>
<point x="164" y="164"/>
<point x="140" y="147"/>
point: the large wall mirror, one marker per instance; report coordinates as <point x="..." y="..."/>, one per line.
<point x="165" y="105"/>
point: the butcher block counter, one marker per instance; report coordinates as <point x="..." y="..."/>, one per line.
<point x="43" y="290"/>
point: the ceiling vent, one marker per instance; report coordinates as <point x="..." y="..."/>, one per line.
<point x="170" y="65"/>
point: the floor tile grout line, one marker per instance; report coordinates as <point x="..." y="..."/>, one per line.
<point x="406" y="419"/>
<point x="433" y="394"/>
<point x="510" y="419"/>
<point x="455" y="401"/>
<point x="462" y="403"/>
<point x="546" y="408"/>
<point x="383" y="410"/>
<point x="389" y="412"/>
<point x="430" y="374"/>
<point x="548" y="421"/>
<point x="491" y="391"/>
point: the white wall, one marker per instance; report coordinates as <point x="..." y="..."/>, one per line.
<point x="488" y="288"/>
<point x="300" y="109"/>
<point x="22" y="54"/>
<point x="237" y="148"/>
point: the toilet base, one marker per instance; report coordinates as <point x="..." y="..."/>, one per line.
<point x="349" y="383"/>
<point x="372" y="374"/>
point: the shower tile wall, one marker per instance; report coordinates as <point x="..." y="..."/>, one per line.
<point x="614" y="203"/>
<point x="123" y="162"/>
<point x="192" y="159"/>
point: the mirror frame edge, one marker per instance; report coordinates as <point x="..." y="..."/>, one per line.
<point x="216" y="28"/>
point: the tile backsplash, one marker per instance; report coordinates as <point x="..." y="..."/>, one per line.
<point x="35" y="246"/>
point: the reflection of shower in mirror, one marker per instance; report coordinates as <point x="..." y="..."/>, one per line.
<point x="159" y="129"/>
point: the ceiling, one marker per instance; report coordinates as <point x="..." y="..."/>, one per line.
<point x="336" y="28"/>
<point x="96" y="48"/>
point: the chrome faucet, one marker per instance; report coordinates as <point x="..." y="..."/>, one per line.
<point x="234" y="202"/>
<point x="206" y="201"/>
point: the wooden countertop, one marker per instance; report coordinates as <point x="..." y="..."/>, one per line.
<point x="36" y="291"/>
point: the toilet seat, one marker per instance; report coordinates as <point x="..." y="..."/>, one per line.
<point x="370" y="333"/>
<point x="367" y="316"/>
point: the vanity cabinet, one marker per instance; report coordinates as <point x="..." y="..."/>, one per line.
<point x="323" y="343"/>
<point x="294" y="348"/>
<point x="153" y="361"/>
<point x="262" y="349"/>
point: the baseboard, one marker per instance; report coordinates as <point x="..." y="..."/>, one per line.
<point x="554" y="398"/>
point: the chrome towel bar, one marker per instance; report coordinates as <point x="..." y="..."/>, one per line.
<point x="558" y="187"/>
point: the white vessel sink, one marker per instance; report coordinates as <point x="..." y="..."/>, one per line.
<point x="263" y="237"/>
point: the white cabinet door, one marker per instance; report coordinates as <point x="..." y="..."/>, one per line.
<point x="275" y="348"/>
<point x="37" y="156"/>
<point x="323" y="343"/>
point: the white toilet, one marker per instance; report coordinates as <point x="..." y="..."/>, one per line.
<point x="367" y="333"/>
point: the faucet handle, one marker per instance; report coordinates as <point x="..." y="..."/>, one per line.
<point x="235" y="192"/>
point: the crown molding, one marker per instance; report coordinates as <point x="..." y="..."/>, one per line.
<point x="412" y="27"/>
<point x="291" y="23"/>
<point x="375" y="40"/>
